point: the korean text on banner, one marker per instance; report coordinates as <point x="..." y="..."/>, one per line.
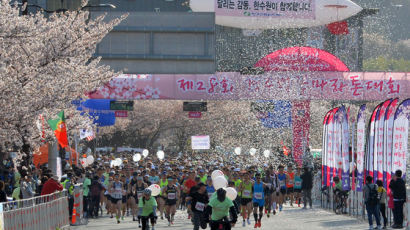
<point x="370" y="143"/>
<point x="400" y="136"/>
<point x="388" y="143"/>
<point x="274" y="8"/>
<point x="200" y="142"/>
<point x="378" y="141"/>
<point x="345" y="150"/>
<point x="361" y="135"/>
<point x="324" y="144"/>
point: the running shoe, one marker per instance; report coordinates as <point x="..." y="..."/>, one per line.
<point x="256" y="225"/>
<point x="243" y="223"/>
<point x="266" y="211"/>
<point x="169" y="223"/>
<point x="268" y="215"/>
<point x="274" y="212"/>
<point x="280" y="208"/>
<point x="118" y="221"/>
<point x="249" y="221"/>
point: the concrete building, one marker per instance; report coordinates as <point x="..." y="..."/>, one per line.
<point x="164" y="36"/>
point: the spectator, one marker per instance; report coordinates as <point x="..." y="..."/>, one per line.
<point x="398" y="188"/>
<point x="372" y="202"/>
<point x="307" y="185"/>
<point x="3" y="196"/>
<point x="382" y="194"/>
<point x="95" y="192"/>
<point x="51" y="186"/>
<point x="26" y="187"/>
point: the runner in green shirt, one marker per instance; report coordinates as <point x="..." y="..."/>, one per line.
<point x="221" y="208"/>
<point x="147" y="209"/>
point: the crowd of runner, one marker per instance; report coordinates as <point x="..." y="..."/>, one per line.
<point x="122" y="192"/>
<point x="185" y="183"/>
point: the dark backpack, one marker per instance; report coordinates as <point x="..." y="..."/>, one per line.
<point x="373" y="196"/>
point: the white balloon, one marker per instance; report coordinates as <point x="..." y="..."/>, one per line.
<point x="155" y="189"/>
<point x="90" y="160"/>
<point x="219" y="182"/>
<point x="238" y="150"/>
<point x="216" y="173"/>
<point x="160" y="154"/>
<point x="118" y="162"/>
<point x="266" y="153"/>
<point x="252" y="151"/>
<point x="145" y="152"/>
<point x="231" y="193"/>
<point x="84" y="162"/>
<point x="136" y="157"/>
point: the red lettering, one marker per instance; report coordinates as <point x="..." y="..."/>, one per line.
<point x="392" y="87"/>
<point x="356" y="85"/>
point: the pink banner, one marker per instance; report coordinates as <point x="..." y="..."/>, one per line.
<point x="301" y="125"/>
<point x="270" y="8"/>
<point x="275" y="85"/>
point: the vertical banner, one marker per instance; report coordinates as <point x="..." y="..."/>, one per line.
<point x="344" y="124"/>
<point x="301" y="125"/>
<point x="388" y="142"/>
<point x="370" y="144"/>
<point x="378" y="141"/>
<point x="360" y="143"/>
<point x="400" y="136"/>
<point x="330" y="148"/>
<point x="337" y="141"/>
<point x="324" y="147"/>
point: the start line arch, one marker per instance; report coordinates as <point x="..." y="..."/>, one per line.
<point x="358" y="86"/>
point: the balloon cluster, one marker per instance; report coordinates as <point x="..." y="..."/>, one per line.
<point x="219" y="181"/>
<point x="86" y="161"/>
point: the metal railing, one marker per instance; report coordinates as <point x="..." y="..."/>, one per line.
<point x="48" y="212"/>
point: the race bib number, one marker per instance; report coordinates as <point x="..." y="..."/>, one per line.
<point x="258" y="195"/>
<point x="200" y="206"/>
<point x="171" y="196"/>
<point x="291" y="182"/>
<point x="246" y="193"/>
<point x="298" y="183"/>
<point x="139" y="195"/>
<point x="282" y="183"/>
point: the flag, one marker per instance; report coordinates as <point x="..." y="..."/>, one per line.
<point x="338" y="28"/>
<point x="400" y="137"/>
<point x="285" y="149"/>
<point x="87" y="133"/>
<point x="360" y="143"/>
<point x="60" y="130"/>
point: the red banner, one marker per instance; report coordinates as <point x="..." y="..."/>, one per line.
<point x="121" y="113"/>
<point x="300" y="125"/>
<point x="194" y="114"/>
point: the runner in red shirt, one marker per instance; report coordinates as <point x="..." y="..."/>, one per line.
<point x="189" y="183"/>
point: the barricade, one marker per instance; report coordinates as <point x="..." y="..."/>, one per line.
<point x="78" y="205"/>
<point x="47" y="212"/>
<point x="357" y="208"/>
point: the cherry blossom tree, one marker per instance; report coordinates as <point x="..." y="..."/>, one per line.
<point x="45" y="62"/>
